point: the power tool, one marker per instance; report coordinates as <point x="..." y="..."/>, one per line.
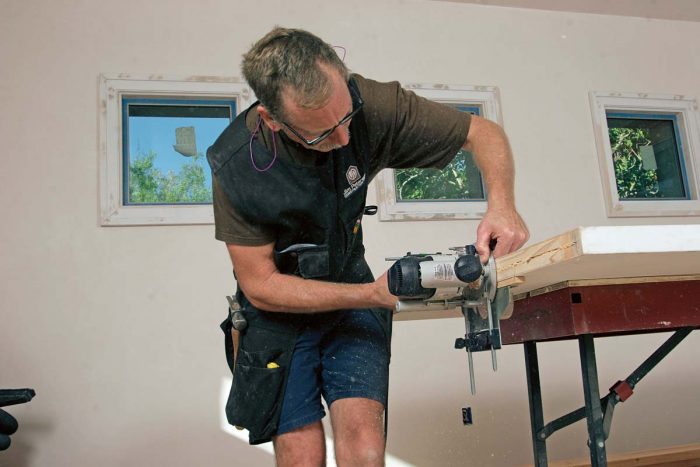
<point x="437" y="281"/>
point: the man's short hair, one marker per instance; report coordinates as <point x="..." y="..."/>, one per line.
<point x="291" y="59"/>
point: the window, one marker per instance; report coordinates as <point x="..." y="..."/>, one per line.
<point x="153" y="138"/>
<point x="455" y="192"/>
<point x="156" y="171"/>
<point x="459" y="181"/>
<point x="648" y="154"/>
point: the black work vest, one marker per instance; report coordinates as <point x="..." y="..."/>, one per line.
<point x="320" y="205"/>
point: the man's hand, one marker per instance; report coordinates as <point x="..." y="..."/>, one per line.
<point x="506" y="227"/>
<point x="383" y="296"/>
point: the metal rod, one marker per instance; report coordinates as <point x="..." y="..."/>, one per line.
<point x="494" y="363"/>
<point x="534" y="394"/>
<point x="594" y="411"/>
<point x="472" y="383"/>
<point x="657" y="356"/>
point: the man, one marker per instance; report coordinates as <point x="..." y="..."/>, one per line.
<point x="290" y="182"/>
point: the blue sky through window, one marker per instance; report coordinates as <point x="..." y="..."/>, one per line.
<point x="150" y="126"/>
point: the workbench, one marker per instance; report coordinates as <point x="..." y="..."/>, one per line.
<point x="594" y="282"/>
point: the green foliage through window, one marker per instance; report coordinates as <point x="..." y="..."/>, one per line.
<point x="149" y="185"/>
<point x="646" y="157"/>
<point x="633" y="181"/>
<point x="459" y="181"/>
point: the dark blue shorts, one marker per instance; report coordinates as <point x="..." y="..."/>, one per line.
<point x="338" y="355"/>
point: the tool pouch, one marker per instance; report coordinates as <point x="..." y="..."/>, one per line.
<point x="304" y="260"/>
<point x="260" y="372"/>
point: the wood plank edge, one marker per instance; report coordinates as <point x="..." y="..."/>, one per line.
<point x="559" y="249"/>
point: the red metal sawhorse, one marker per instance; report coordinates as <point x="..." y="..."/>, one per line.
<point x="576" y="310"/>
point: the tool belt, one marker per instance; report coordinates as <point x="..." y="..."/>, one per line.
<point x="260" y="354"/>
<point x="260" y="367"/>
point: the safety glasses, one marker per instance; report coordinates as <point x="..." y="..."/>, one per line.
<point x="357" y="104"/>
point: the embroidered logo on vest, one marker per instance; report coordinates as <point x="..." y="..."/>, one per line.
<point x="355" y="180"/>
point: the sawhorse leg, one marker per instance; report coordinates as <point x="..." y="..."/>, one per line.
<point x="534" y="393"/>
<point x="598" y="412"/>
<point x="594" y="411"/>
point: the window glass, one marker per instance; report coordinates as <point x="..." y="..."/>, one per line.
<point x="647" y="157"/>
<point x="164" y="141"/>
<point x="459" y="181"/>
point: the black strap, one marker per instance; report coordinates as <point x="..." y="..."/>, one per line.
<point x="226" y="326"/>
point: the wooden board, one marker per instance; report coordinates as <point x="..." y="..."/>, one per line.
<point x="604" y="253"/>
<point x="595" y="253"/>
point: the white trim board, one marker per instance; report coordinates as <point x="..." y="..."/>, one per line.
<point x="640" y="239"/>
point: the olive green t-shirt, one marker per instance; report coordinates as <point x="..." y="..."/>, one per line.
<point x="405" y="130"/>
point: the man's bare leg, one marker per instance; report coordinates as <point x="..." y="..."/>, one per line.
<point x="303" y="447"/>
<point x="358" y="430"/>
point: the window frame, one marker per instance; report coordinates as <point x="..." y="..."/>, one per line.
<point x="113" y="88"/>
<point x="485" y="97"/>
<point x="687" y="128"/>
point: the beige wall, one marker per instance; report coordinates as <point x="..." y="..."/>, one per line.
<point x="116" y="328"/>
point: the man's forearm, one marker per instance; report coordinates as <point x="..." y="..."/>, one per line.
<point x="489" y="145"/>
<point x="501" y="222"/>
<point x="270" y="290"/>
<point x="282" y="292"/>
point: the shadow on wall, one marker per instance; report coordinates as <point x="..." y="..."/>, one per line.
<point x="21" y="452"/>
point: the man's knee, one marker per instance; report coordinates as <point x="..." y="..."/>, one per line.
<point x="365" y="450"/>
<point x="302" y="447"/>
<point x="359" y="431"/>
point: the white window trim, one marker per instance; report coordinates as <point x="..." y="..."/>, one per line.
<point x="686" y="109"/>
<point x="389" y="209"/>
<point x="112" y="87"/>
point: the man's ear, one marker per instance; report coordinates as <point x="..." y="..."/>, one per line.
<point x="267" y="118"/>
